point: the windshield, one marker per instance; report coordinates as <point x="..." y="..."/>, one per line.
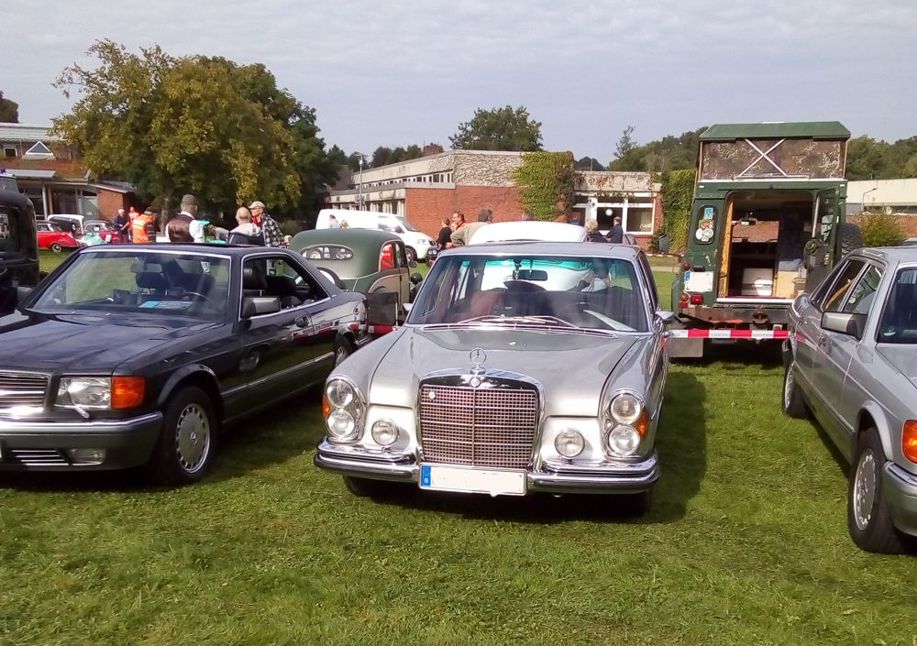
<point x="899" y="320"/>
<point x="144" y="282"/>
<point x="404" y="223"/>
<point x="592" y="293"/>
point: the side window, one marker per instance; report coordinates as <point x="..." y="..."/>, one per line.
<point x="276" y="276"/>
<point x="861" y="296"/>
<point x="650" y="281"/>
<point x="834" y="297"/>
<point x="387" y="256"/>
<point x="401" y="257"/>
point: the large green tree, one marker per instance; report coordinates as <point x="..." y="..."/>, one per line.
<point x="666" y="154"/>
<point x="9" y="110"/>
<point x="193" y="124"/>
<point x="505" y="128"/>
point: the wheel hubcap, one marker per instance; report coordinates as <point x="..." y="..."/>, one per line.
<point x="192" y="438"/>
<point x="864" y="490"/>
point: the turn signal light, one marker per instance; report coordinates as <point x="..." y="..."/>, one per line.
<point x="697" y="299"/>
<point x="909" y="440"/>
<point x="642" y="424"/>
<point x="127" y="392"/>
<point x="686" y="266"/>
<point x="683" y="301"/>
<point x="326" y="405"/>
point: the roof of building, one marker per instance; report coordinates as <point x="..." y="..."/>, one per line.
<point x="776" y="130"/>
<point x="26" y="132"/>
<point x="30" y="173"/>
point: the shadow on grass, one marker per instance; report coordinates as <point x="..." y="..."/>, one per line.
<point x="270" y="437"/>
<point x="682" y="455"/>
<point x="763" y="354"/>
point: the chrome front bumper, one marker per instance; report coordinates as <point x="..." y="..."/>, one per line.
<point x="900" y="489"/>
<point x="622" y="478"/>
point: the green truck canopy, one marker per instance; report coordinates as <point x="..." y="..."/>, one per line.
<point x="776" y="130"/>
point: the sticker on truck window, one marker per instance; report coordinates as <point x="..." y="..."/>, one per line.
<point x="706" y="224"/>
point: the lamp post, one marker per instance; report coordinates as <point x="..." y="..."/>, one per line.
<point x="360" y="185"/>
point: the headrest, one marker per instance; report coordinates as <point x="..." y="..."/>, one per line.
<point x="151" y="280"/>
<point x="253" y="278"/>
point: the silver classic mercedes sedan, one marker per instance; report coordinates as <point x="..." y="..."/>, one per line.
<point x="522" y="367"/>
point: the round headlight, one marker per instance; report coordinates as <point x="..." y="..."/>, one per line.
<point x="569" y="443"/>
<point x="341" y="424"/>
<point x="623" y="440"/>
<point x="384" y="432"/>
<point x="626" y="409"/>
<point x="340" y="393"/>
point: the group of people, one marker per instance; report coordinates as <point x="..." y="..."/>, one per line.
<point x="254" y="226"/>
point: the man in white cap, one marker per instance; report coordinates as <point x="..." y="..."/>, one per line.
<point x="273" y="236"/>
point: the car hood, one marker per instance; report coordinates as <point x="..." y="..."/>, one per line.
<point x="903" y="358"/>
<point x="82" y="342"/>
<point x="571" y="367"/>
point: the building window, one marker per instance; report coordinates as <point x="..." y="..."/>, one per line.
<point x="639" y="219"/>
<point x="9" y="152"/>
<point x="39" y="150"/>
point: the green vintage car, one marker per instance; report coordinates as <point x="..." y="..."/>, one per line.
<point x="361" y="260"/>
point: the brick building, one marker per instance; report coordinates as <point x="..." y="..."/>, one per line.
<point x="52" y="175"/>
<point x="428" y="189"/>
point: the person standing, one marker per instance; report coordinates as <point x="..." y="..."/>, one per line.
<point x="333" y="222"/>
<point x="143" y="228"/>
<point x="592" y="232"/>
<point x="616" y="234"/>
<point x="122" y="226"/>
<point x="442" y="240"/>
<point x="273" y="236"/>
<point x="184" y="227"/>
<point x="463" y="236"/>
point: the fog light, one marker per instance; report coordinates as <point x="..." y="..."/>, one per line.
<point x="341" y="424"/>
<point x="384" y="432"/>
<point x="86" y="456"/>
<point x="569" y="443"/>
<point x="623" y="440"/>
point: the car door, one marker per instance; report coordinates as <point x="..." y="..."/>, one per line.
<point x="404" y="272"/>
<point x="844" y="349"/>
<point x="832" y="352"/>
<point x="807" y="331"/>
<point x="278" y="351"/>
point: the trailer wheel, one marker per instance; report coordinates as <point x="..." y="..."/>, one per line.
<point x="850" y="236"/>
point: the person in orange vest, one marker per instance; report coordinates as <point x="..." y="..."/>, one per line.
<point x="143" y="228"/>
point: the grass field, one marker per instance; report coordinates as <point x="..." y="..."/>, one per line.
<point x="745" y="543"/>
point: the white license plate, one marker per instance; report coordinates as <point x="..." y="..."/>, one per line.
<point x="462" y="479"/>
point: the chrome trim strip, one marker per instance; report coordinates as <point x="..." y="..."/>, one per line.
<point x="286" y="371"/>
<point x="19" y="427"/>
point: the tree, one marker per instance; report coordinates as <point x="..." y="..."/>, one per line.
<point x="9" y="110"/>
<point x="664" y="155"/>
<point x="499" y="129"/>
<point x="589" y="163"/>
<point x="191" y="124"/>
<point x="381" y="156"/>
<point x="626" y="143"/>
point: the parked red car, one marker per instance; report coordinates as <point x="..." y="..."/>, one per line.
<point x="50" y="236"/>
<point x="105" y="230"/>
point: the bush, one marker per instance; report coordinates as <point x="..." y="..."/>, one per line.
<point x="881" y="229"/>
<point x="290" y="227"/>
<point x="677" y="195"/>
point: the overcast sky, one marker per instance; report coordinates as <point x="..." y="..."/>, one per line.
<point x="401" y="72"/>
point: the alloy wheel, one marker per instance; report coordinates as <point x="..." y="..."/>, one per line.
<point x="192" y="438"/>
<point x="864" y="489"/>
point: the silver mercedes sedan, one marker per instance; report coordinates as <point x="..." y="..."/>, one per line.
<point x="522" y="367"/>
<point x="852" y="361"/>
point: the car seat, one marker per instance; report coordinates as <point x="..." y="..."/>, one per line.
<point x="284" y="288"/>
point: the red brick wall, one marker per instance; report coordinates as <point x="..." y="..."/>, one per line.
<point x="426" y="207"/>
<point x="110" y="202"/>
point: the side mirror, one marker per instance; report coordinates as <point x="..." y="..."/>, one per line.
<point x="259" y="305"/>
<point x="416" y="277"/>
<point x="844" y="323"/>
<point x="23" y="293"/>
<point x="665" y="316"/>
<point x="412" y="264"/>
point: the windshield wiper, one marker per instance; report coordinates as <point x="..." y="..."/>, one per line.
<point x="525" y="320"/>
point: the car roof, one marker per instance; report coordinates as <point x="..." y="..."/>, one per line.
<point x="229" y="250"/>
<point x="575" y="249"/>
<point x="533" y="230"/>
<point x="344" y="236"/>
<point x="889" y="255"/>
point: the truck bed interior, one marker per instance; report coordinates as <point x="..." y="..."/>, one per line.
<point x="764" y="245"/>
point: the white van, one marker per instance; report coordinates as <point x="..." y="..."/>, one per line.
<point x="416" y="242"/>
<point x="528" y="231"/>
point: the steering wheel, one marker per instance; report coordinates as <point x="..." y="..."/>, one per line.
<point x="202" y="297"/>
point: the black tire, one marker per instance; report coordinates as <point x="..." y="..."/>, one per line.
<point x="411" y="254"/>
<point x="56" y="247"/>
<point x="343" y="348"/>
<point x="868" y="519"/>
<point x="792" y="402"/>
<point x="365" y="487"/>
<point x="187" y="442"/>
<point x="850" y="237"/>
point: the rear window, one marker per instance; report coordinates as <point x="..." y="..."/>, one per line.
<point x="327" y="252"/>
<point x="10" y="231"/>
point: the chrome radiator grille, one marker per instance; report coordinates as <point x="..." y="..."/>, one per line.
<point x="483" y="427"/>
<point x="22" y="389"/>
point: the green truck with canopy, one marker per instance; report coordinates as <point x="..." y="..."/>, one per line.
<point x="766" y="224"/>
